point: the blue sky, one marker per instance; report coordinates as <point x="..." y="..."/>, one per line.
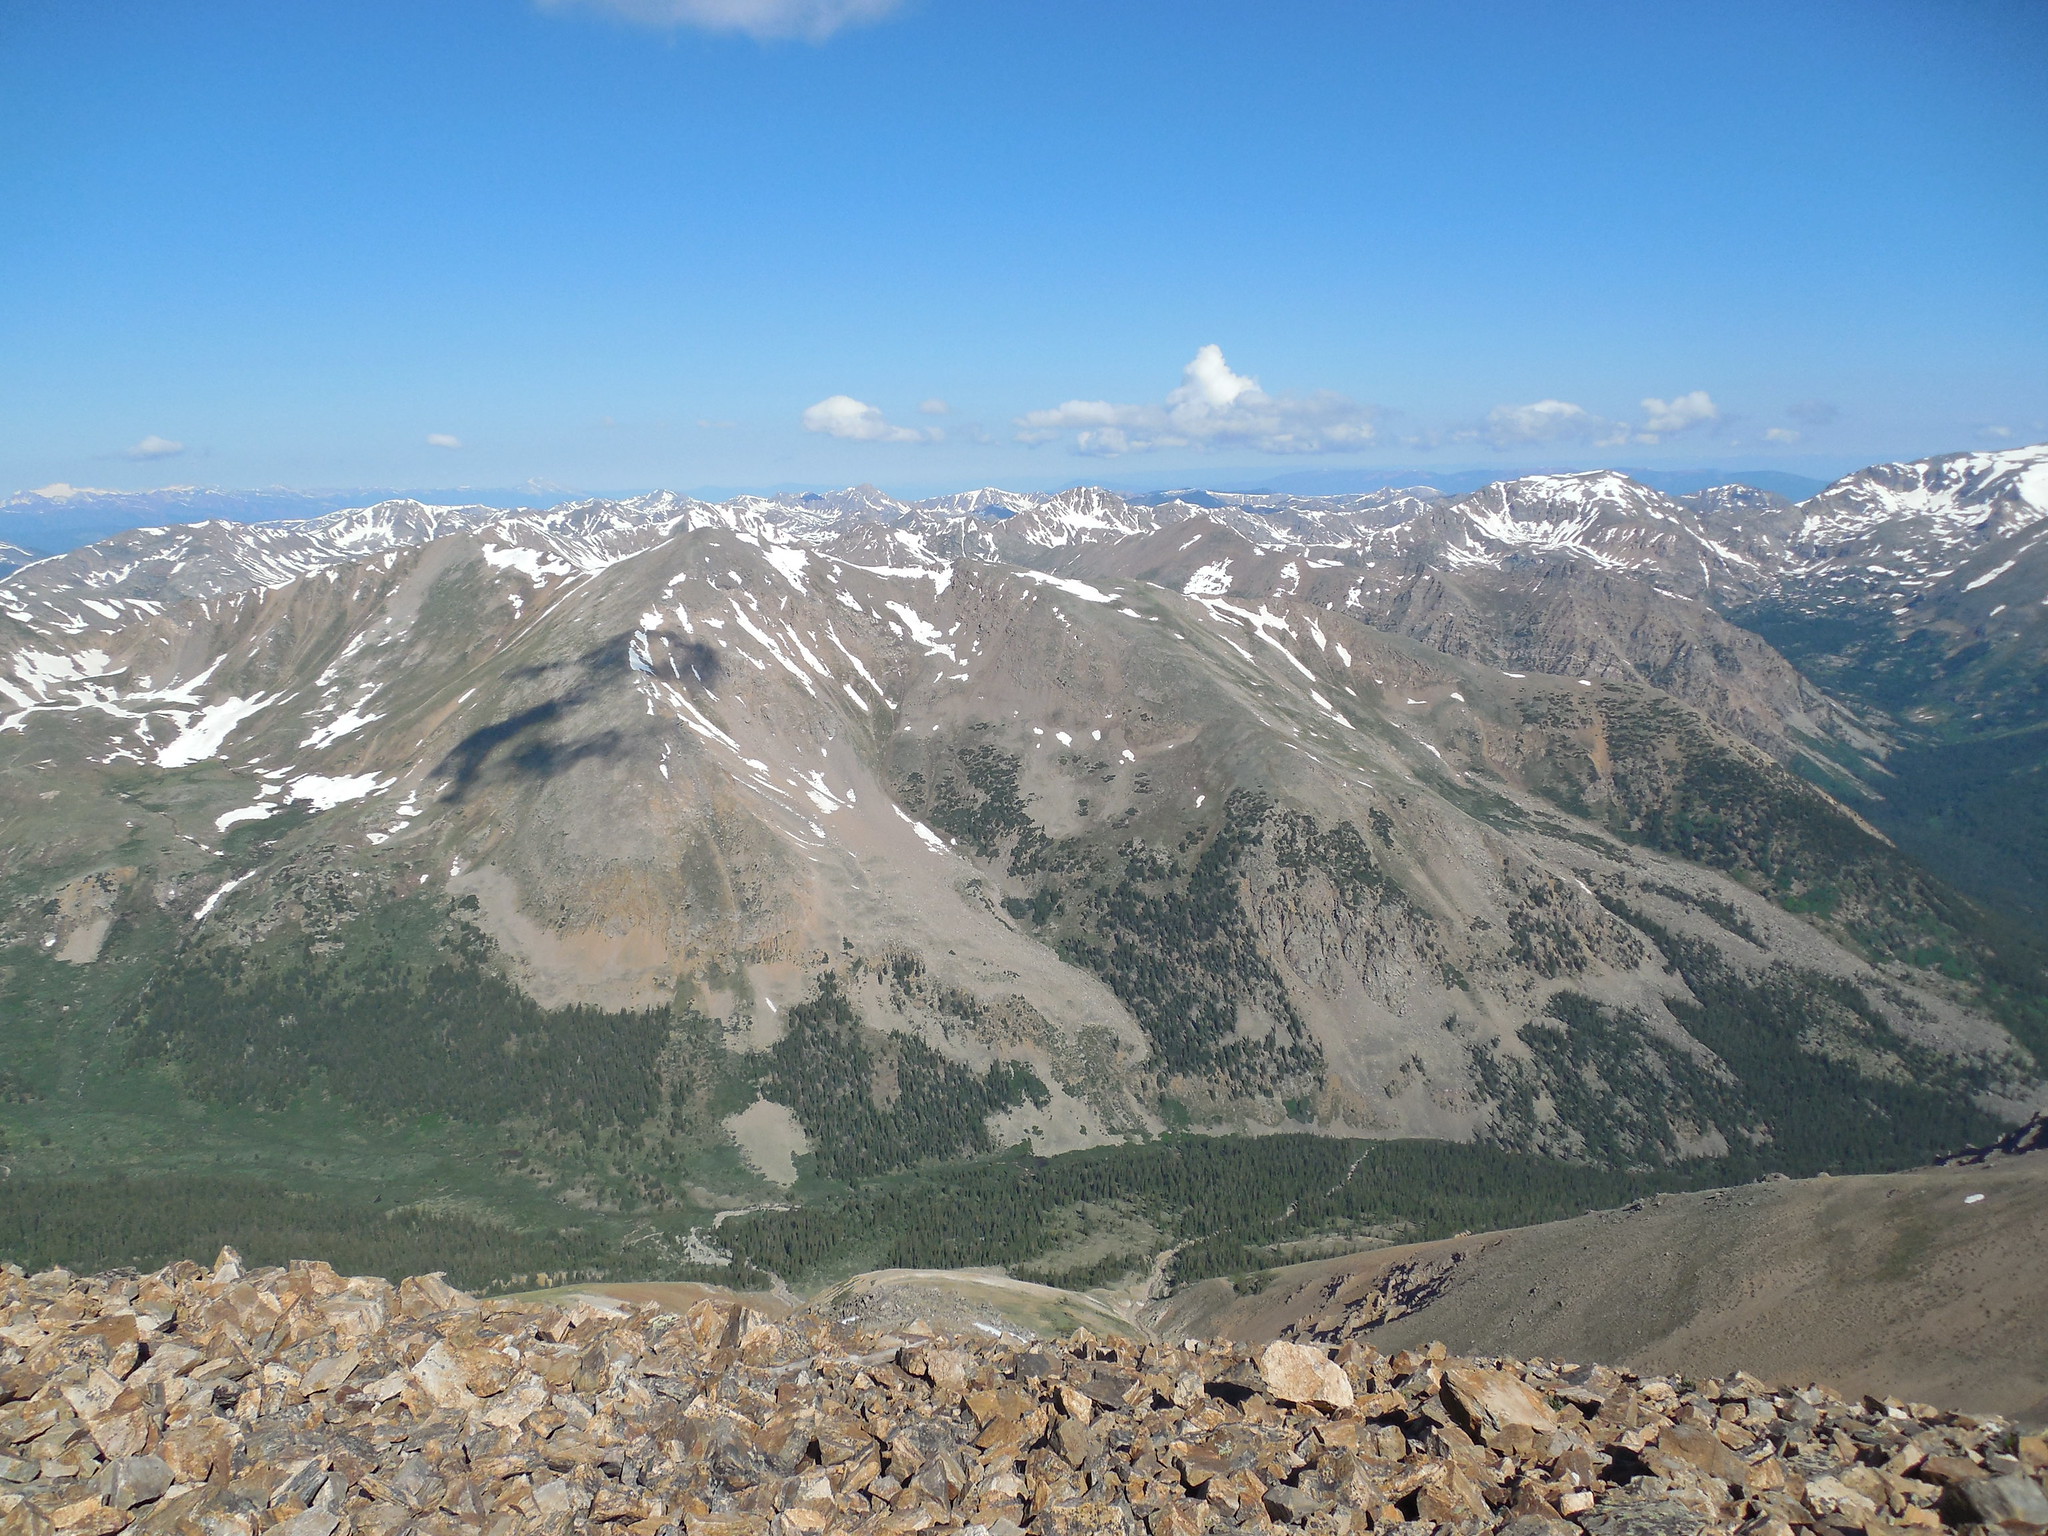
<point x="623" y="243"/>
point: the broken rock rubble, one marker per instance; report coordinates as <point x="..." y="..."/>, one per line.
<point x="296" y="1402"/>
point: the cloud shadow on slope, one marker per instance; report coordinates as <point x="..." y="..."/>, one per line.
<point x="516" y="747"/>
<point x="532" y="755"/>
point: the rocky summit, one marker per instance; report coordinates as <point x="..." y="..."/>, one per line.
<point x="295" y="1401"/>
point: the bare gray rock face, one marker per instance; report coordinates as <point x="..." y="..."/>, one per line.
<point x="2011" y="1502"/>
<point x="297" y="1402"/>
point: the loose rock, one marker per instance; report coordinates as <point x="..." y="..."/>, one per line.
<point x="298" y="1402"/>
<point x="1296" y="1373"/>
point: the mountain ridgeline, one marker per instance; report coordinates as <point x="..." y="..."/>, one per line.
<point x="593" y="868"/>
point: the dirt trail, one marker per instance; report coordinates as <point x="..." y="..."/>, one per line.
<point x="669" y="1295"/>
<point x="1890" y="1284"/>
<point x="964" y="1300"/>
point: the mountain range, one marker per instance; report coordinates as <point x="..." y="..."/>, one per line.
<point x="60" y="517"/>
<point x="704" y="849"/>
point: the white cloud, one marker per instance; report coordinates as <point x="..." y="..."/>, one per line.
<point x="2000" y="432"/>
<point x="1546" y="421"/>
<point x="844" y="416"/>
<point x="1213" y="407"/>
<point x="443" y="440"/>
<point x="58" y="490"/>
<point x="1681" y="413"/>
<point x="154" y="447"/>
<point x="1560" y="421"/>
<point x="812" y="20"/>
<point x="934" y="406"/>
<point x="1781" y="435"/>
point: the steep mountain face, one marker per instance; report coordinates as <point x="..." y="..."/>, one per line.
<point x="1932" y="553"/>
<point x="1919" y="593"/>
<point x="871" y="832"/>
<point x="1932" y="511"/>
<point x="1513" y="607"/>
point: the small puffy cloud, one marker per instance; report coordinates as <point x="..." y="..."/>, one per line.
<point x="1208" y="384"/>
<point x="844" y="416"/>
<point x="1812" y="413"/>
<point x="934" y="406"/>
<point x="1781" y="435"/>
<point x="443" y="440"/>
<point x="154" y="447"/>
<point x="1680" y="414"/>
<point x="812" y="20"/>
<point x="1998" y="432"/>
<point x="1212" y="407"/>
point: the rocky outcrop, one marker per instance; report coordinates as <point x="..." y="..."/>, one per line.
<point x="296" y="1402"/>
<point x="2031" y="1137"/>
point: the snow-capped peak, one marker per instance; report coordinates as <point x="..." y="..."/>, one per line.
<point x="1958" y="498"/>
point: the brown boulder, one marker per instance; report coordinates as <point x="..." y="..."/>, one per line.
<point x="1488" y="1402"/>
<point x="1703" y="1449"/>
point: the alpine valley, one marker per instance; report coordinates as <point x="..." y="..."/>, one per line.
<point x="785" y="886"/>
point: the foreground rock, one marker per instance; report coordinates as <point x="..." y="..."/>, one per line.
<point x="297" y="1402"/>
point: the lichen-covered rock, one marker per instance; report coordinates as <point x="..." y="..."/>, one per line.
<point x="297" y="1402"/>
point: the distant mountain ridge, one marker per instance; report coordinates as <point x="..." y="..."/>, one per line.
<point x="57" y="518"/>
<point x="1941" y="502"/>
<point x="1417" y="557"/>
